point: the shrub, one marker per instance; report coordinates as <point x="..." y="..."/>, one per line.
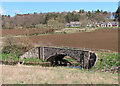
<point x="12" y="48"/>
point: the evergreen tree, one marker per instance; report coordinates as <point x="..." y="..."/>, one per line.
<point x="105" y="12"/>
<point x="83" y="11"/>
<point x="117" y="14"/>
<point x="80" y="11"/>
<point x="98" y="11"/>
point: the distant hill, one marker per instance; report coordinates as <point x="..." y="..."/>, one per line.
<point x="54" y="19"/>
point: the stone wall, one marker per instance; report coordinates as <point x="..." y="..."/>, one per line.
<point x="31" y="53"/>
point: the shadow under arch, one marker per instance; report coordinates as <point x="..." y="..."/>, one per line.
<point x="57" y="60"/>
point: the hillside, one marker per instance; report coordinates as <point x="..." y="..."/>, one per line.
<point x="54" y="20"/>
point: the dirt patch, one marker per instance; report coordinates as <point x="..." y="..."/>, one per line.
<point x="99" y="39"/>
<point x="15" y="32"/>
<point x="95" y="40"/>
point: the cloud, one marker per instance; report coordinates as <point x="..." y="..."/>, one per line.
<point x="77" y="10"/>
<point x="1" y="11"/>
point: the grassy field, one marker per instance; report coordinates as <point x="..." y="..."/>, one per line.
<point x="22" y="74"/>
<point x="106" y="60"/>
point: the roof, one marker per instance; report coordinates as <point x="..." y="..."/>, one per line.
<point x="106" y="23"/>
<point x="74" y="22"/>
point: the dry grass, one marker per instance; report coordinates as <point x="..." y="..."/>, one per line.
<point x="22" y="74"/>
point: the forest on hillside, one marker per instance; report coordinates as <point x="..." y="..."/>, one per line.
<point x="54" y="20"/>
<point x="117" y="14"/>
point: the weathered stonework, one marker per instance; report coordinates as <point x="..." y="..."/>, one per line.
<point x="84" y="58"/>
<point x="31" y="53"/>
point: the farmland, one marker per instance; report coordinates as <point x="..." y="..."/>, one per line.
<point x="16" y="32"/>
<point x="106" y="39"/>
<point x="98" y="39"/>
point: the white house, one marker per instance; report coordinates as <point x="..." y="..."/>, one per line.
<point x="102" y="25"/>
<point x="89" y="25"/>
<point x="73" y="24"/>
<point x="108" y="24"/>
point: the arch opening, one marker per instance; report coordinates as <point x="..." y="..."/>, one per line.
<point x="58" y="60"/>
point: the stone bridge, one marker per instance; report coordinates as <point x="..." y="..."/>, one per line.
<point x="86" y="59"/>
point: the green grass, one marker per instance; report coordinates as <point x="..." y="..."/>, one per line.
<point x="8" y="57"/>
<point x="70" y="59"/>
<point x="73" y="27"/>
<point x="106" y="61"/>
<point x="34" y="60"/>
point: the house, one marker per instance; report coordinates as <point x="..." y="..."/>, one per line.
<point x="102" y="24"/>
<point x="107" y="24"/>
<point x="97" y="24"/>
<point x="114" y="24"/>
<point x="89" y="25"/>
<point x="73" y="24"/>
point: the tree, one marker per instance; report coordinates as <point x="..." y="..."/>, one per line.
<point x="98" y="11"/>
<point x="35" y="19"/>
<point x="83" y="11"/>
<point x="76" y="17"/>
<point x="89" y="14"/>
<point x="10" y="47"/>
<point x="105" y="12"/>
<point x="9" y="16"/>
<point x="84" y="23"/>
<point x="68" y="17"/>
<point x="35" y="13"/>
<point x="117" y="14"/>
<point x="58" y="23"/>
<point x="80" y="11"/>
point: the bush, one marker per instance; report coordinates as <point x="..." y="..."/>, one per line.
<point x="10" y="47"/>
<point x="13" y="49"/>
